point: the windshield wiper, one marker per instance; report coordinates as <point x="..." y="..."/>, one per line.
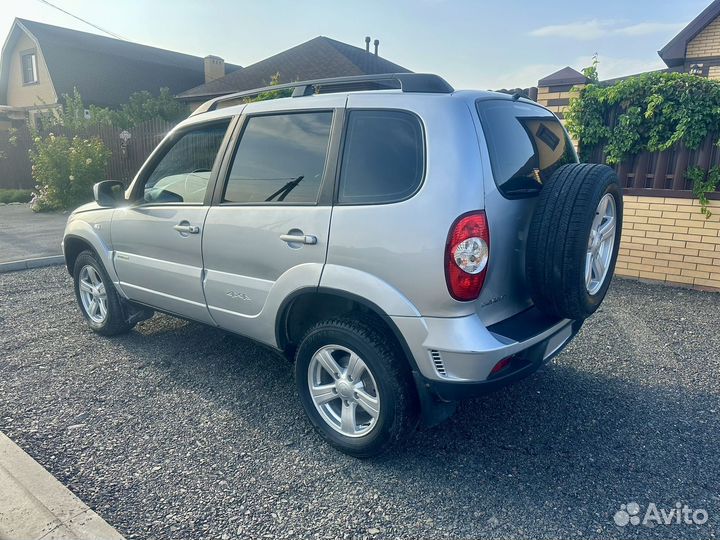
<point x="287" y="188"/>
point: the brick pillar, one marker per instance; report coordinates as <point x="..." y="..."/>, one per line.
<point x="555" y="90"/>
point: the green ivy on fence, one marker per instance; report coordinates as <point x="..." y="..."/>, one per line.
<point x="652" y="112"/>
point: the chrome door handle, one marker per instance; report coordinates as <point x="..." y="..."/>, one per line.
<point x="299" y="239"/>
<point x="187" y="229"/>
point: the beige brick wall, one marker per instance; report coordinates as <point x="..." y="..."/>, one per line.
<point x="545" y="94"/>
<point x="669" y="240"/>
<point x="706" y="43"/>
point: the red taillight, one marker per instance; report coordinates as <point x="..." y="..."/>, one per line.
<point x="466" y="256"/>
<point x="502" y="364"/>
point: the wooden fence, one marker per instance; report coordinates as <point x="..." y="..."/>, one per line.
<point x="127" y="155"/>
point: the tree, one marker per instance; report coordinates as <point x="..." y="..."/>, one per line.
<point x="271" y="94"/>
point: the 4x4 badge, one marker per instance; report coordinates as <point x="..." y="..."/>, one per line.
<point x="238" y="295"/>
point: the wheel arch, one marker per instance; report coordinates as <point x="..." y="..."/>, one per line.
<point x="337" y="302"/>
<point x="72" y="247"/>
<point x="80" y="236"/>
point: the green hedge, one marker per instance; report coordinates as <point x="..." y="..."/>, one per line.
<point x="15" y="195"/>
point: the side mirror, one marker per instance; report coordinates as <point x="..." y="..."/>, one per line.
<point x="109" y="193"/>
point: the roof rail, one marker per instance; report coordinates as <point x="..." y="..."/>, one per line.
<point x="407" y="82"/>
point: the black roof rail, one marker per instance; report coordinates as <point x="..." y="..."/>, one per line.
<point x="407" y="82"/>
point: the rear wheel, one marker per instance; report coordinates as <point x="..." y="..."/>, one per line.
<point x="97" y="298"/>
<point x="574" y="239"/>
<point x="355" y="387"/>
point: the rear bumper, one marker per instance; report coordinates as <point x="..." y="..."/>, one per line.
<point x="522" y="364"/>
<point x="455" y="356"/>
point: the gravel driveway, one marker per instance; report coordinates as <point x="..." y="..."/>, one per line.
<point x="182" y="431"/>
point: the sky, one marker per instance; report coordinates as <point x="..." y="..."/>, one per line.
<point x="473" y="44"/>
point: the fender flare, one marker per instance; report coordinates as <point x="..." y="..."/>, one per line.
<point x="81" y="230"/>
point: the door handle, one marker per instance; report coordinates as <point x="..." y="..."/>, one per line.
<point x="299" y="238"/>
<point x="185" y="228"/>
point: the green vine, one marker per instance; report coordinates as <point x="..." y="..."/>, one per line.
<point x="702" y="184"/>
<point x="652" y="113"/>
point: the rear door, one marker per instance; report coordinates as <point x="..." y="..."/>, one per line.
<point x="157" y="238"/>
<point x="267" y="230"/>
<point x="526" y="144"/>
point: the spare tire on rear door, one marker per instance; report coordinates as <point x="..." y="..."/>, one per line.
<point x="574" y="239"/>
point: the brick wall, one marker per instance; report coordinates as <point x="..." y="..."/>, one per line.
<point x="556" y="99"/>
<point x="706" y="43"/>
<point x="669" y="240"/>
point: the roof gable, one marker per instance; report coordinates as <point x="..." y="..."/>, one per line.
<point x="319" y="58"/>
<point x="673" y="54"/>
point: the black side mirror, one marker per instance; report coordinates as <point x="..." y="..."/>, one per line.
<point x="109" y="193"/>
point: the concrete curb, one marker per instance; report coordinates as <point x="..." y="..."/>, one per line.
<point x="25" y="264"/>
<point x="34" y="505"/>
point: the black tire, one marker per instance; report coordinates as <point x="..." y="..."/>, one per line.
<point x="115" y="322"/>
<point x="558" y="239"/>
<point x="398" y="415"/>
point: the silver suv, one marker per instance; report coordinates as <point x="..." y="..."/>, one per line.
<point x="408" y="245"/>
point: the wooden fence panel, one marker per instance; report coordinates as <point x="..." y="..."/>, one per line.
<point x="15" y="167"/>
<point x="662" y="174"/>
<point x="126" y="156"/>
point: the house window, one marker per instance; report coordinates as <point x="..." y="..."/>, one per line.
<point x="29" y="68"/>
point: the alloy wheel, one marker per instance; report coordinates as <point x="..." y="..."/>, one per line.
<point x="93" y="294"/>
<point x="600" y="244"/>
<point x="343" y="390"/>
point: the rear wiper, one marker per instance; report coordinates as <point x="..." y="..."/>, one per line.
<point x="287" y="188"/>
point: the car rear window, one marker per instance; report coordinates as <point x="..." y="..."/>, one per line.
<point x="526" y="144"/>
<point x="383" y="157"/>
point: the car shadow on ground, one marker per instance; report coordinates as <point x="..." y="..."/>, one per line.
<point x="581" y="434"/>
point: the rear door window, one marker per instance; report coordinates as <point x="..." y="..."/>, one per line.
<point x="526" y="144"/>
<point x="383" y="157"/>
<point x="280" y="159"/>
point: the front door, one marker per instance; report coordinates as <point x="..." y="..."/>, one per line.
<point x="266" y="233"/>
<point x="157" y="238"/>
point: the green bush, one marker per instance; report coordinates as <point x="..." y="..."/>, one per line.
<point x="65" y="170"/>
<point x="654" y="112"/>
<point x="15" y="195"/>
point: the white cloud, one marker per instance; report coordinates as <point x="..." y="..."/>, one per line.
<point x="646" y="28"/>
<point x="583" y="30"/>
<point x="595" y="28"/>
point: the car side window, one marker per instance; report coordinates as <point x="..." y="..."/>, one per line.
<point x="183" y="173"/>
<point x="280" y="159"/>
<point x="383" y="157"/>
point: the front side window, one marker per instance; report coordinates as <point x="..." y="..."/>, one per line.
<point x="183" y="173"/>
<point x="29" y="68"/>
<point x="280" y="158"/>
<point x="383" y="157"/>
<point x="526" y="144"/>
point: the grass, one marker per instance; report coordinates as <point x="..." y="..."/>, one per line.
<point x="15" y="195"/>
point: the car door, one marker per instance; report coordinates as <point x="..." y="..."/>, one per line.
<point x="157" y="238"/>
<point x="266" y="233"/>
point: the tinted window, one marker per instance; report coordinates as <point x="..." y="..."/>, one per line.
<point x="526" y="143"/>
<point x="183" y="173"/>
<point x="280" y="158"/>
<point x="382" y="158"/>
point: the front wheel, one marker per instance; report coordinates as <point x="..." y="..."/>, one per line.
<point x="355" y="387"/>
<point x="97" y="298"/>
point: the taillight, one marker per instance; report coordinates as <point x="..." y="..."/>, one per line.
<point x="466" y="256"/>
